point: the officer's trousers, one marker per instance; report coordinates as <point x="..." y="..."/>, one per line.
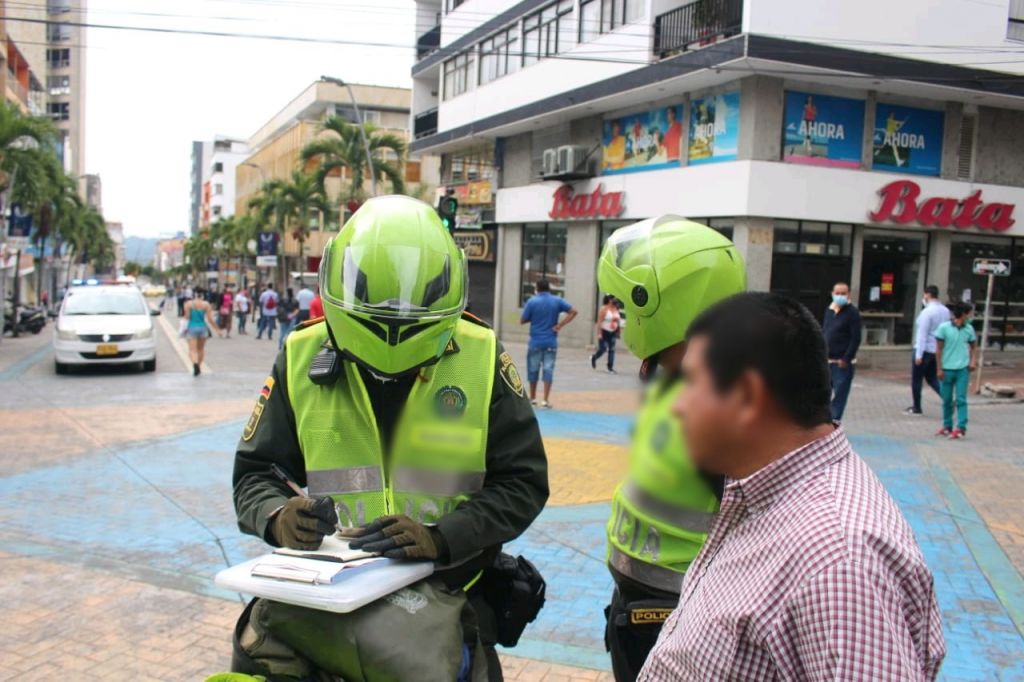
<point x="635" y="617"/>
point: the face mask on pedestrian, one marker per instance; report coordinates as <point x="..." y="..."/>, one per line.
<point x="840" y="300"/>
<point x="924" y="302"/>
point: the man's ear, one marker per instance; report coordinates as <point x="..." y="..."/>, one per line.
<point x="750" y="396"/>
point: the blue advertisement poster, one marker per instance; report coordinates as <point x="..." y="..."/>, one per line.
<point x="266" y="244"/>
<point x="644" y="141"/>
<point x="822" y="130"/>
<point x="20" y="224"/>
<point x="714" y="128"/>
<point x="908" y="140"/>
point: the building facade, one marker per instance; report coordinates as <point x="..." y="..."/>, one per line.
<point x="218" y="191"/>
<point x="277" y="146"/>
<point x="200" y="174"/>
<point x="859" y="153"/>
<point x="65" y="80"/>
<point x="25" y="55"/>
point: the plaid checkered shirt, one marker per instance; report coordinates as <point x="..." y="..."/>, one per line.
<point x="810" y="572"/>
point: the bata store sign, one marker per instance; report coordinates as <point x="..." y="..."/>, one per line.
<point x="568" y="205"/>
<point x="901" y="202"/>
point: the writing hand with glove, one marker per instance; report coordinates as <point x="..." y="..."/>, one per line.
<point x="303" y="522"/>
<point x="398" y="537"/>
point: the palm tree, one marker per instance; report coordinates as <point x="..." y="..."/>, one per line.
<point x="290" y="207"/>
<point x="308" y="203"/>
<point x="342" y="147"/>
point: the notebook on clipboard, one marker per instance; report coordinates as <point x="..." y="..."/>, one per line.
<point x="333" y="548"/>
<point x="303" y="570"/>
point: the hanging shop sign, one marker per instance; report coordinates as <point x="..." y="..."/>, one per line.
<point x="266" y="244"/>
<point x="901" y="203"/>
<point x="643" y="141"/>
<point x="266" y="261"/>
<point x="714" y="128"/>
<point x="478" y="245"/>
<point x="20" y="223"/>
<point x="822" y="131"/>
<point x="598" y="204"/>
<point x="907" y="140"/>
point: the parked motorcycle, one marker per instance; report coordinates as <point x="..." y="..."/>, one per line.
<point x="30" y="319"/>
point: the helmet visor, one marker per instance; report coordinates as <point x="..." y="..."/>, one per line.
<point x="630" y="246"/>
<point x="403" y="281"/>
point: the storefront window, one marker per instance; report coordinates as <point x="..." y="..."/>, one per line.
<point x="810" y="257"/>
<point x="964" y="285"/>
<point x="543" y="257"/>
<point x="891" y="282"/>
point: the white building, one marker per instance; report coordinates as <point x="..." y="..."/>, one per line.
<point x="219" y="188"/>
<point x="875" y="142"/>
<point x="200" y="173"/>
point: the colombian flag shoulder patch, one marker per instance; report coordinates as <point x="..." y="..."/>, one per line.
<point x="257" y="410"/>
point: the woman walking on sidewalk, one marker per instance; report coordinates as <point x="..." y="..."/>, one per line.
<point x="608" y="320"/>
<point x="241" y="306"/>
<point x="200" y="321"/>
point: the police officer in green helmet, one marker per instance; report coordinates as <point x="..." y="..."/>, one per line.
<point x="409" y="425"/>
<point x="666" y="271"/>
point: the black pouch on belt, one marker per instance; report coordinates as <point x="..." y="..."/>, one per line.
<point x="515" y="589"/>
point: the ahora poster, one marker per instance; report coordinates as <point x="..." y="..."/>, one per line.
<point x="908" y="140"/>
<point x="822" y="131"/>
<point x="643" y="141"/>
<point x="714" y="128"/>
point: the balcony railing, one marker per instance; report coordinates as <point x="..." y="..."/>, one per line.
<point x="695" y="25"/>
<point x="425" y="124"/>
<point x="428" y="42"/>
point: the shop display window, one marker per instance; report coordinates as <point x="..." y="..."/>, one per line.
<point x="809" y="258"/>
<point x="543" y="257"/>
<point x="891" y="282"/>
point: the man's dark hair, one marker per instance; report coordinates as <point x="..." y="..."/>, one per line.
<point x="543" y="285"/>
<point x="778" y="338"/>
<point x="932" y="290"/>
<point x="962" y="308"/>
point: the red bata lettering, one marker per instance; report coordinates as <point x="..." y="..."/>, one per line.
<point x="900" y="205"/>
<point x="596" y="204"/>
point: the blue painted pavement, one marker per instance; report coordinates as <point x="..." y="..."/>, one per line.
<point x="126" y="512"/>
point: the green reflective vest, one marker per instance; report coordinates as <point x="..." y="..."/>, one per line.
<point x="662" y="512"/>
<point x="437" y="456"/>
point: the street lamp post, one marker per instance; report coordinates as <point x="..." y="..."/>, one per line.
<point x="263" y="181"/>
<point x="362" y="131"/>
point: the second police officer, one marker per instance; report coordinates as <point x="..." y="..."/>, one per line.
<point x="666" y="271"/>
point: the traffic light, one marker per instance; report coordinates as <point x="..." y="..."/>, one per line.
<point x="447" y="207"/>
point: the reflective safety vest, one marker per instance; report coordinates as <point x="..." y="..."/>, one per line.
<point x="437" y="456"/>
<point x="662" y="512"/>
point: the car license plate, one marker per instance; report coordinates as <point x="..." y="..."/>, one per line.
<point x="106" y="349"/>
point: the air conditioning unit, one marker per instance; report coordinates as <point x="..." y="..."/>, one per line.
<point x="572" y="160"/>
<point x="549" y="164"/>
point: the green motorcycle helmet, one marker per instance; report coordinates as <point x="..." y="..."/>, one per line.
<point x="666" y="271"/>
<point x="393" y="285"/>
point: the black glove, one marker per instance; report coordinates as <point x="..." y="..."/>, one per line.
<point x="303" y="522"/>
<point x="398" y="537"/>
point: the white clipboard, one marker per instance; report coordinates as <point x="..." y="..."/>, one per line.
<point x="351" y="591"/>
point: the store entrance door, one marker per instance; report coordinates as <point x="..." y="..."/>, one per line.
<point x="809" y="278"/>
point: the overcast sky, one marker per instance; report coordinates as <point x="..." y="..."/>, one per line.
<point x="149" y="95"/>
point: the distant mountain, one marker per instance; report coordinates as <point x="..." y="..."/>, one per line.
<point x="140" y="249"/>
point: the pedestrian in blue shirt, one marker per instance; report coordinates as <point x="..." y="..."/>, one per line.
<point x="924" y="367"/>
<point x="841" y="327"/>
<point x="543" y="312"/>
<point x="955" y="342"/>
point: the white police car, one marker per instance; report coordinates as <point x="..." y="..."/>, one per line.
<point x="104" y="323"/>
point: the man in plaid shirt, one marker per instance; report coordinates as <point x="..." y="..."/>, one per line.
<point x="810" y="571"/>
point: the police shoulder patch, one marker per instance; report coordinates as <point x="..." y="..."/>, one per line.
<point x="510" y="375"/>
<point x="257" y="410"/>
